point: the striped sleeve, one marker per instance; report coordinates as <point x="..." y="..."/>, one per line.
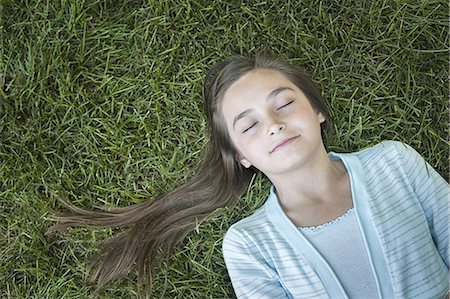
<point x="250" y="274"/>
<point x="433" y="193"/>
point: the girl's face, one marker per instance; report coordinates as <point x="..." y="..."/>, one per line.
<point x="271" y="122"/>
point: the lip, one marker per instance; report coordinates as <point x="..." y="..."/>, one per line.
<point x="283" y="143"/>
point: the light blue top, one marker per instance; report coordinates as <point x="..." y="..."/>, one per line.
<point x="401" y="207"/>
<point x="340" y="242"/>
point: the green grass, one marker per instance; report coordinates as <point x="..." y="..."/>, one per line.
<point x="100" y="102"/>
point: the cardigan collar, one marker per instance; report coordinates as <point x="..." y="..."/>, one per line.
<point x="307" y="251"/>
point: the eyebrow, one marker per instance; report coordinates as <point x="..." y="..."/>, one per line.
<point x="270" y="96"/>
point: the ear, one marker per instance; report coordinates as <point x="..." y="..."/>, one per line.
<point x="321" y="117"/>
<point x="245" y="163"/>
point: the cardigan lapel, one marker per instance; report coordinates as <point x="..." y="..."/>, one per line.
<point x="301" y="245"/>
<point x="361" y="201"/>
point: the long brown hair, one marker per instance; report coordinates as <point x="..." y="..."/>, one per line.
<point x="157" y="225"/>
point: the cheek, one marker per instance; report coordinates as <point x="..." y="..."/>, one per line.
<point x="247" y="147"/>
<point x="237" y="143"/>
<point x="306" y="115"/>
<point x="241" y="145"/>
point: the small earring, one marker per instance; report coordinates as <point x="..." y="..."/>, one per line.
<point x="246" y="163"/>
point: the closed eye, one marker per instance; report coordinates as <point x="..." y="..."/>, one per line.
<point x="246" y="130"/>
<point x="285" y="105"/>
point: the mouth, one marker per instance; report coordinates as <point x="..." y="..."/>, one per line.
<point x="283" y="143"/>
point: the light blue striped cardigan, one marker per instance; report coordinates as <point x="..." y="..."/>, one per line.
<point x="401" y="205"/>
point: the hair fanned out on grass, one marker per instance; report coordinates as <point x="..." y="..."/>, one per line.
<point x="157" y="225"/>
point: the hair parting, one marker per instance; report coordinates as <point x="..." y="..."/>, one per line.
<point x="156" y="226"/>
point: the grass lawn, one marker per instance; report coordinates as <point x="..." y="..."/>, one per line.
<point x="100" y="104"/>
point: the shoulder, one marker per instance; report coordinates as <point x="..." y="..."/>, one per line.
<point x="388" y="157"/>
<point x="388" y="150"/>
<point x="385" y="146"/>
<point x="254" y="231"/>
<point x="248" y="226"/>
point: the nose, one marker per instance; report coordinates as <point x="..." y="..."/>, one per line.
<point x="276" y="126"/>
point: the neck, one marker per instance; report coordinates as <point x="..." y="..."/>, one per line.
<point x="316" y="182"/>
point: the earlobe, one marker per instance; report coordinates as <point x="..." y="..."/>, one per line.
<point x="245" y="163"/>
<point x="321" y="117"/>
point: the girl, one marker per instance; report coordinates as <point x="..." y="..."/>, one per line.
<point x="370" y="224"/>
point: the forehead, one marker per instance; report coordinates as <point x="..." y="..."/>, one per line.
<point x="253" y="86"/>
<point x="256" y="82"/>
